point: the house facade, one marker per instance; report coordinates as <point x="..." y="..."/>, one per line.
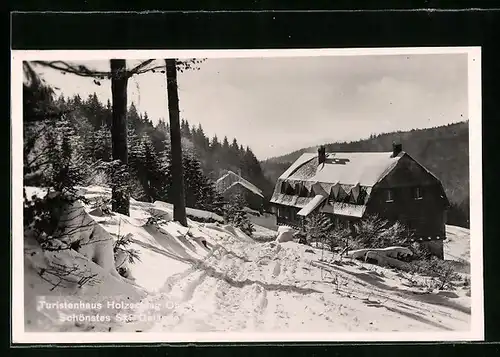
<point x="231" y="184"/>
<point x="350" y="186"/>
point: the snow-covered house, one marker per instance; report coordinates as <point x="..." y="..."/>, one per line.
<point x="351" y="185"/>
<point x="231" y="184"/>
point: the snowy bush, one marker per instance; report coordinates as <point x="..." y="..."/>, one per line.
<point x="317" y="226"/>
<point x="340" y="238"/>
<point x="375" y="232"/>
<point x="157" y="217"/>
<point x="235" y="215"/>
<point x="442" y="271"/>
<point x="301" y="236"/>
<point x="320" y="229"/>
<point x="43" y="219"/>
<point x="124" y="255"/>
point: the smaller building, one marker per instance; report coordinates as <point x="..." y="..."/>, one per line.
<point x="231" y="184"/>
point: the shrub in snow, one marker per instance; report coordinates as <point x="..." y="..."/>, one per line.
<point x="158" y="216"/>
<point x="235" y="214"/>
<point x="419" y="252"/>
<point x="54" y="219"/>
<point x="317" y="226"/>
<point x="374" y="232"/>
<point x="124" y="255"/>
<point x="320" y="229"/>
<point x="301" y="237"/>
<point x="340" y="238"/>
<point x="136" y="190"/>
<point x="441" y="270"/>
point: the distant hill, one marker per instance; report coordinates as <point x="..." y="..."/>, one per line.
<point x="443" y="150"/>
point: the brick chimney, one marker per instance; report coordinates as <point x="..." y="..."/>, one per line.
<point x="396" y="149"/>
<point x="321" y="155"/>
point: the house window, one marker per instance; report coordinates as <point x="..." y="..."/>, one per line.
<point x="389" y="196"/>
<point x="417" y="193"/>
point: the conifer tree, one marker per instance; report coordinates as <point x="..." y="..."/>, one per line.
<point x="185" y="130"/>
<point x="235" y="214"/>
<point x="102" y="148"/>
<point x="225" y="144"/>
<point x="317" y="227"/>
<point x="194" y="181"/>
<point x="165" y="170"/>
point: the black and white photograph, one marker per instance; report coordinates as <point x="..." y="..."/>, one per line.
<point x="279" y="195"/>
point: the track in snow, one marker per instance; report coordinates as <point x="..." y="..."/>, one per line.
<point x="268" y="287"/>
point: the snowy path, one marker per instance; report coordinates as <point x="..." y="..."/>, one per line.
<point x="211" y="277"/>
<point x="244" y="286"/>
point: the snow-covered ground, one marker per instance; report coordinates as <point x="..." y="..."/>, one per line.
<point x="457" y="244"/>
<point x="457" y="247"/>
<point x="233" y="283"/>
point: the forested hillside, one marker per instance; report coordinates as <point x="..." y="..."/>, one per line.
<point x="85" y="132"/>
<point x="443" y="150"/>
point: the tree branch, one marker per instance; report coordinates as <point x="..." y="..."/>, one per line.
<point x="79" y="70"/>
<point x="84" y="71"/>
<point x="137" y="69"/>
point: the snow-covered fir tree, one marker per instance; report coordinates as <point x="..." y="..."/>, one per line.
<point x="235" y="214"/>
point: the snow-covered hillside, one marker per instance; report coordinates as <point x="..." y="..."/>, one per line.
<point x="212" y="277"/>
<point x="457" y="247"/>
<point x="457" y="244"/>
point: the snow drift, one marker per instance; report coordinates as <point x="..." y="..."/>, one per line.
<point x="285" y="234"/>
<point x="213" y="277"/>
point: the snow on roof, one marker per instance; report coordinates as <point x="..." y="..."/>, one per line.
<point x="230" y="179"/>
<point x="248" y="186"/>
<point x="290" y="200"/>
<point x="304" y="158"/>
<point x="312" y="205"/>
<point x="363" y="168"/>
<point x="341" y="173"/>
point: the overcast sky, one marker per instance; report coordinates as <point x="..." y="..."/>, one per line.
<point x="277" y="105"/>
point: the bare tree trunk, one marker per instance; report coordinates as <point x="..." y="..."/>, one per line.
<point x="120" y="192"/>
<point x="175" y="139"/>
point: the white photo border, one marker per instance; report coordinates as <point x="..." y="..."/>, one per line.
<point x="476" y="332"/>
